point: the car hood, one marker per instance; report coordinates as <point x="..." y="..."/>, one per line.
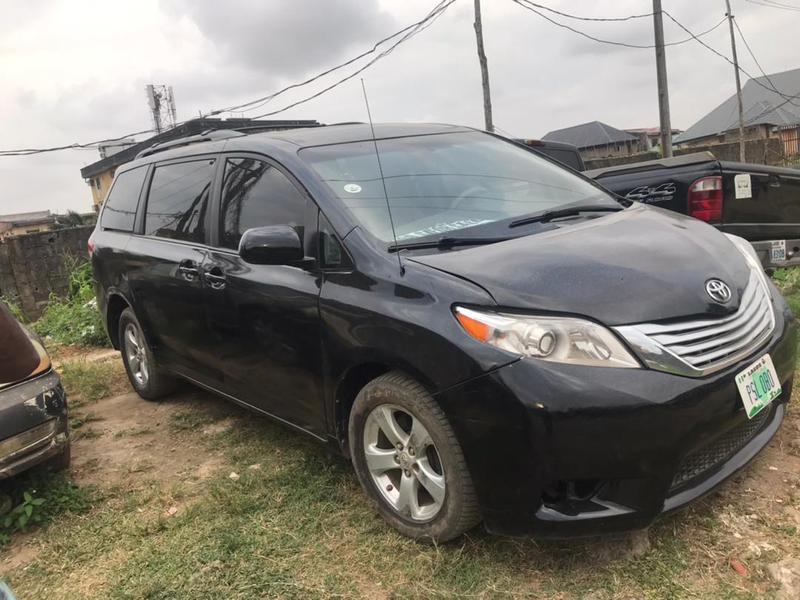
<point x="639" y="265"/>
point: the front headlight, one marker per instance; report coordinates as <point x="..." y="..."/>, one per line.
<point x="555" y="339"/>
<point x="751" y="258"/>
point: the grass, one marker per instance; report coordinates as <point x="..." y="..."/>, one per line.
<point x="90" y="381"/>
<point x="47" y="494"/>
<point x="298" y="526"/>
<point x="73" y="320"/>
<point x="788" y="281"/>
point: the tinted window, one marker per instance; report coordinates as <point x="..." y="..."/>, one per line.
<point x="441" y="183"/>
<point x="120" y="208"/>
<point x="256" y="194"/>
<point x="331" y="252"/>
<point x="178" y="199"/>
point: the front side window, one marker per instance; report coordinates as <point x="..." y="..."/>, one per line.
<point x="256" y="194"/>
<point x="440" y="183"/>
<point x="123" y="199"/>
<point x="178" y="201"/>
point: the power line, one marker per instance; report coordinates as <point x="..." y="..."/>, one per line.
<point x="777" y="5"/>
<point x="579" y="18"/>
<point x="728" y="60"/>
<point x="755" y="60"/>
<point x="527" y="4"/>
<point x="406" y="33"/>
<point x="259" y="102"/>
<point x="432" y="17"/>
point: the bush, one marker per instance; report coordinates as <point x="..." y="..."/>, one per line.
<point x="74" y="320"/>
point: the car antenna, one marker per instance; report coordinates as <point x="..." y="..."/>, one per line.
<point x="380" y="170"/>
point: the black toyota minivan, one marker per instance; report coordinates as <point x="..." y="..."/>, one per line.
<point x="487" y="335"/>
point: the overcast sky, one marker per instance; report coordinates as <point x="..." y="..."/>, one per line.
<point x="75" y="71"/>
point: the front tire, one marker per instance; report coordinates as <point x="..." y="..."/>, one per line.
<point x="409" y="462"/>
<point x="149" y="381"/>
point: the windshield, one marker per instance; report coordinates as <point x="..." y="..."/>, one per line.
<point x="444" y="183"/>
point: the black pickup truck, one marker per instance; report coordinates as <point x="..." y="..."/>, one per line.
<point x="757" y="202"/>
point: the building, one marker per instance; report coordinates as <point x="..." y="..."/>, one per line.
<point x="99" y="175"/>
<point x="650" y="137"/>
<point x="597" y="140"/>
<point x="23" y="223"/>
<point x="767" y="114"/>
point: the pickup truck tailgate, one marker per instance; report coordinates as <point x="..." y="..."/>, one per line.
<point x="766" y="205"/>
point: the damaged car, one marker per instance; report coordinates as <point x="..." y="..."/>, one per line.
<point x="34" y="427"/>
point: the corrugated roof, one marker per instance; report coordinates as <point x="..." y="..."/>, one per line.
<point x="589" y="135"/>
<point x="761" y="107"/>
<point x="191" y="127"/>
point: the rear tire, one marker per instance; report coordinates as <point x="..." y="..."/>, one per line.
<point x="144" y="373"/>
<point x="409" y="462"/>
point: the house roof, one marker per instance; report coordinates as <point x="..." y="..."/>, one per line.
<point x="188" y="128"/>
<point x="589" y="135"/>
<point x="762" y="106"/>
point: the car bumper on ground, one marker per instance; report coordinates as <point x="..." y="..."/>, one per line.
<point x="778" y="253"/>
<point x="562" y="450"/>
<point x="33" y="423"/>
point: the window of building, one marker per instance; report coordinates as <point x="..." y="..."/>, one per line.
<point x="119" y="212"/>
<point x="256" y="194"/>
<point x="178" y="200"/>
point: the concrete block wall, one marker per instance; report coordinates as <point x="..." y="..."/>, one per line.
<point x="34" y="266"/>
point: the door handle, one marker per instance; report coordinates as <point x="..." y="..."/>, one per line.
<point x="215" y="278"/>
<point x="188" y="270"/>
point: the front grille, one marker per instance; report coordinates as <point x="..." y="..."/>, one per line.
<point x="723" y="448"/>
<point x="701" y="346"/>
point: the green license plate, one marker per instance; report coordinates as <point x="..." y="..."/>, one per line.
<point x="758" y="385"/>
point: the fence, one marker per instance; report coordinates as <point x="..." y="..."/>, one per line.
<point x="32" y="266"/>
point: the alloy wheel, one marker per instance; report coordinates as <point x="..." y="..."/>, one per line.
<point x="404" y="463"/>
<point x="135" y="353"/>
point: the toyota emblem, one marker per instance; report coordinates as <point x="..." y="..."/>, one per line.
<point x="718" y="291"/>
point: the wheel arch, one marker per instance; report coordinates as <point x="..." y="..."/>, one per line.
<point x="354" y="380"/>
<point x="114" y="307"/>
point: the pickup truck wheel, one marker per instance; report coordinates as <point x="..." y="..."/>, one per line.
<point x="409" y="462"/>
<point x="149" y="381"/>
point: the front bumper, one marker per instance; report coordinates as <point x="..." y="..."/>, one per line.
<point x="764" y="251"/>
<point x="33" y="423"/>
<point x="562" y="450"/>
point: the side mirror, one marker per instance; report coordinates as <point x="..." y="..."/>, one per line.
<point x="272" y="245"/>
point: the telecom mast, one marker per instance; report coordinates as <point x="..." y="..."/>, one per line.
<point x="161" y="101"/>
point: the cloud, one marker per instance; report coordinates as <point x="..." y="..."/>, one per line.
<point x="286" y="38"/>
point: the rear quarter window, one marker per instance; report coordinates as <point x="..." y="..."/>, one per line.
<point x="119" y="212"/>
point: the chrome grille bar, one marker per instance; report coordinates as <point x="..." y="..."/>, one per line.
<point x="698" y="347"/>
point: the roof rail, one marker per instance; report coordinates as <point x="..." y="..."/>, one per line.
<point x="211" y="135"/>
<point x="256" y="128"/>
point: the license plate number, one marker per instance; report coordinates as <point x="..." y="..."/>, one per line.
<point x="777" y="250"/>
<point x="758" y="385"/>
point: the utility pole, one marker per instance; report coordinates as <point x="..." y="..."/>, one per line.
<point x="742" y="153"/>
<point x="487" y="99"/>
<point x="661" y="74"/>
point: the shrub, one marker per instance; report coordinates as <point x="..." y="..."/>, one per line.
<point x="74" y="320"/>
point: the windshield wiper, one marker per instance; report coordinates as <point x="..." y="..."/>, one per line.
<point x="449" y="242"/>
<point x="562" y="212"/>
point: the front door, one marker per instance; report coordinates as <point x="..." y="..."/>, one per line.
<point x="264" y="319"/>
